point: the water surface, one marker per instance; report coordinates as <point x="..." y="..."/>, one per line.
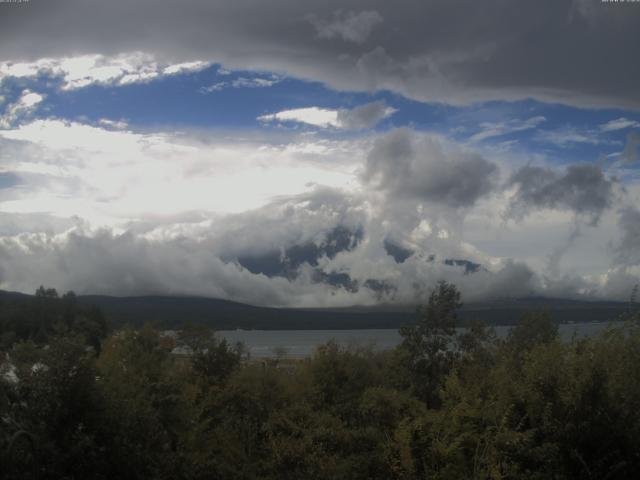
<point x="302" y="343"/>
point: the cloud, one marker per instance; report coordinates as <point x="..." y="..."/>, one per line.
<point x="128" y="264"/>
<point x="185" y="67"/>
<point x="318" y="117"/>
<point x="567" y="136"/>
<point x="619" y="124"/>
<point x="214" y="87"/>
<point x="116" y="124"/>
<point x="242" y="82"/>
<point x="255" y="82"/>
<point x="513" y="280"/>
<point x="9" y="180"/>
<point x="490" y="129"/>
<point x="82" y="71"/>
<point x="423" y="167"/>
<point x="149" y="262"/>
<point x="628" y="249"/>
<point x="144" y="258"/>
<point x="582" y="189"/>
<point x="348" y="26"/>
<point x="108" y="175"/>
<point x="364" y="116"/>
<point x="214" y="259"/>
<point x="325" y="247"/>
<point x="630" y="153"/>
<point x="24" y="106"/>
<point x="16" y="224"/>
<point x="358" y="118"/>
<point x="299" y="220"/>
<point x="456" y="53"/>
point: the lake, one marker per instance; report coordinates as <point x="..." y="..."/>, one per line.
<point x="302" y="343"/>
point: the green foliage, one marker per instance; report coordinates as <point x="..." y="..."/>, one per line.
<point x="430" y="343"/>
<point x="144" y="406"/>
<point x="448" y="403"/>
<point x="54" y="399"/>
<point x="339" y="376"/>
<point x="45" y="315"/>
<point x="212" y="359"/>
<point x="535" y="328"/>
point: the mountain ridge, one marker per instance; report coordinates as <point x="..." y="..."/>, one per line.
<point x="172" y="311"/>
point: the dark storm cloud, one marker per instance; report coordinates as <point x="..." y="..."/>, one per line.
<point x="571" y="51"/>
<point x="406" y="164"/>
<point x="582" y="189"/>
<point x="349" y="26"/>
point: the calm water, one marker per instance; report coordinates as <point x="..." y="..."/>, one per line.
<point x="301" y="343"/>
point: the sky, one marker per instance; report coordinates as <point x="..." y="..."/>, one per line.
<point x="320" y="154"/>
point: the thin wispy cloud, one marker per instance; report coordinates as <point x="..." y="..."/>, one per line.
<point x="242" y="82"/>
<point x="498" y="129"/>
<point x="619" y="124"/>
<point x="567" y="136"/>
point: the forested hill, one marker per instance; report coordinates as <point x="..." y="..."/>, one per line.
<point x="168" y="311"/>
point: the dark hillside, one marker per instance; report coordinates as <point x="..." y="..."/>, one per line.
<point x="223" y="314"/>
<point x="172" y="312"/>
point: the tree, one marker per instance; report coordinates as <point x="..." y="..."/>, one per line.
<point x="57" y="402"/>
<point x="429" y="345"/>
<point x="534" y="328"/>
<point x="144" y="407"/>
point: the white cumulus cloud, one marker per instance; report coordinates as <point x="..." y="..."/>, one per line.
<point x="358" y="118"/>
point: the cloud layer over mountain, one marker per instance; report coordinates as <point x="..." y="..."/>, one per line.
<point x="316" y="154"/>
<point x="403" y="214"/>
